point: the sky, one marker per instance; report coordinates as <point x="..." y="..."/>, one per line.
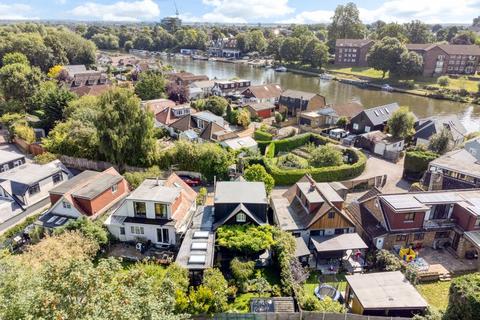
<point x="240" y="11"/>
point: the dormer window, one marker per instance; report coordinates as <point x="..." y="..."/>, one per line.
<point x="241" y="217"/>
<point x="160" y="210"/>
<point x="66" y="205"/>
<point x="140" y="208"/>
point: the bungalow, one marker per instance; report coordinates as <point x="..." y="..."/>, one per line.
<point x="293" y="102"/>
<point x="226" y="88"/>
<point x="372" y="119"/>
<point x="426" y="128"/>
<point x="89" y="194"/>
<point x="383" y="294"/>
<point x="457" y="169"/>
<point x="433" y="219"/>
<point x="382" y="144"/>
<point x="329" y="116"/>
<point x="30" y="183"/>
<point x="10" y="160"/>
<point x="314" y="212"/>
<point x="262" y="93"/>
<point x="158" y="212"/>
<point x="240" y="202"/>
<point x="262" y="110"/>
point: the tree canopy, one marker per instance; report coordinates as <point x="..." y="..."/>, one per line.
<point x="401" y="123"/>
<point x="386" y="55"/>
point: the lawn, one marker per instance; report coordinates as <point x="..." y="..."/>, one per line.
<point x="312" y="283"/>
<point x="436" y="293"/>
<point x="359" y="71"/>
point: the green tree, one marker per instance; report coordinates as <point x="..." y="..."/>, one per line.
<point x="53" y="100"/>
<point x="15" y="57"/>
<point x="243" y="118"/>
<point x="392" y="30"/>
<point x="106" y="41"/>
<point x="243" y="42"/>
<point x="19" y="82"/>
<point x="90" y="229"/>
<point x="441" y="142"/>
<point x="320" y="55"/>
<point x="136" y="178"/>
<point x="258" y="42"/>
<point x="216" y="105"/>
<point x="312" y="303"/>
<point x="346" y="23"/>
<point x="326" y="156"/>
<point x="289" y="49"/>
<point x="274" y="46"/>
<point x="342" y="122"/>
<point x="411" y="64"/>
<point x="443" y="81"/>
<point x="418" y="32"/>
<point x="151" y="85"/>
<point x="385" y="55"/>
<point x="214" y="281"/>
<point x="465" y="37"/>
<point x="464" y="299"/>
<point x="125" y="131"/>
<point x="401" y="124"/>
<point x="258" y="173"/>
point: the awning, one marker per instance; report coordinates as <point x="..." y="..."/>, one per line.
<point x="301" y="248"/>
<point x="340" y="242"/>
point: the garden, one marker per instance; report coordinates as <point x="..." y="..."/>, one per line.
<point x="288" y="160"/>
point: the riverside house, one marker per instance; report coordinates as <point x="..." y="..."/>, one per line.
<point x="352" y="52"/>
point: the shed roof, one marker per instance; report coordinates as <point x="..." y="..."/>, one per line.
<point x="340" y="242"/>
<point x="301" y="248"/>
<point x="240" y="192"/>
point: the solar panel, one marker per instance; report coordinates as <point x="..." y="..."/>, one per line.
<point x="443" y="197"/>
<point x="199" y="246"/>
<point x="52" y="219"/>
<point x="197" y="259"/>
<point x="200" y="235"/>
<point x="61" y="220"/>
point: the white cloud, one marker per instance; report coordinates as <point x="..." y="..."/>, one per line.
<point x="16" y="11"/>
<point x="118" y="11"/>
<point x="241" y="11"/>
<point x="318" y="16"/>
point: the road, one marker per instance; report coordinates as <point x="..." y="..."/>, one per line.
<point x="36" y="208"/>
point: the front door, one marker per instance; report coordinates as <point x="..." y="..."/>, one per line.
<point x="456" y="239"/>
<point x="379" y="243"/>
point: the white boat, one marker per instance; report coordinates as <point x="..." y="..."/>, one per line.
<point x="326" y="76"/>
<point x="387" y="87"/>
<point x="281" y="69"/>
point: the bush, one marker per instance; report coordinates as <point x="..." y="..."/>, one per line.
<point x="387" y="261"/>
<point x="260" y="135"/>
<point x="417" y="160"/>
<point x="25" y="132"/>
<point x="464" y="300"/>
<point x="245" y="238"/>
<point x="88" y="228"/>
<point x="443" y="81"/>
<point x="242" y="271"/>
<point x="202" y="196"/>
<point x="326" y="156"/>
<point x="45" y="158"/>
<point x="291" y="161"/>
<point x="135" y="179"/>
<point x="258" y="173"/>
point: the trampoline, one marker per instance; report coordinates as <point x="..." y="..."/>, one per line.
<point x="325" y="290"/>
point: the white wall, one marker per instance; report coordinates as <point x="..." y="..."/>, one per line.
<point x="150" y="233"/>
<point x="68" y="212"/>
<point x="45" y="186"/>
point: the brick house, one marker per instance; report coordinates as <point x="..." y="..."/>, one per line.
<point x="352" y="52"/>
<point x="419" y="219"/>
<point x="293" y="102"/>
<point x="88" y="194"/>
<point x="447" y="58"/>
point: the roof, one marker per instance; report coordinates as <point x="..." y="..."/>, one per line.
<point x="296" y="94"/>
<point x="429" y="126"/>
<point x="239" y="143"/>
<point x="155" y="190"/>
<point x="265" y="91"/>
<point x="420" y="46"/>
<point x="52" y="220"/>
<point x="211" y="128"/>
<point x="158" y="105"/>
<point x="322" y="190"/>
<point x="31" y="173"/>
<point x="339" y="242"/>
<point x="209" y="117"/>
<point x="240" y="192"/>
<point x="79" y="179"/>
<point x="352" y="42"/>
<point x="259" y="106"/>
<point x="239" y="208"/>
<point x="474" y="237"/>
<point x="364" y="218"/>
<point x="381" y="114"/>
<point x="203" y="84"/>
<point x="380" y="136"/>
<point x="101" y="183"/>
<point x="6" y="156"/>
<point x="460" y="161"/>
<point x="385" y="290"/>
<point x="349" y="109"/>
<point x="75" y="68"/>
<point x="301" y="248"/>
<point x="450" y="49"/>
<point x="94" y="90"/>
<point x="197" y="250"/>
<point x="275" y="305"/>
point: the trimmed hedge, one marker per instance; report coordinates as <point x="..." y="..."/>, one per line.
<point x="270" y="150"/>
<point x="416" y="161"/>
<point x="325" y="174"/>
<point x="260" y="135"/>
<point x="464" y="300"/>
<point x="288" y="144"/>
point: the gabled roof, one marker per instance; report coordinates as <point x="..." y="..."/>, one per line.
<point x="259" y="106"/>
<point x="381" y="114"/>
<point x="23" y="176"/>
<point x="6" y="156"/>
<point x="94" y="90"/>
<point x="238" y="209"/>
<point x="349" y="109"/>
<point x="429" y="126"/>
<point x="183" y="124"/>
<point x="240" y="192"/>
<point x="450" y="49"/>
<point x="208" y="132"/>
<point x="296" y="94"/>
<point x="265" y="91"/>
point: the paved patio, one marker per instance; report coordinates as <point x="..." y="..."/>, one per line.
<point x="443" y="259"/>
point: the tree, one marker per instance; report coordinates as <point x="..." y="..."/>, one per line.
<point x="418" y="32"/>
<point x="443" y="81"/>
<point x="342" y="122"/>
<point x="258" y="173"/>
<point x="243" y="42"/>
<point x="216" y="105"/>
<point x="106" y="41"/>
<point x="441" y="142"/>
<point x="385" y="55"/>
<point x="257" y="41"/>
<point x="465" y="37"/>
<point x="289" y="49"/>
<point x="125" y="131"/>
<point x="346" y="23"/>
<point x="53" y="100"/>
<point x="274" y="46"/>
<point x="401" y="123"/>
<point x="326" y="156"/>
<point x="15" y="57"/>
<point x="214" y="281"/>
<point x="243" y="118"/>
<point x="90" y="229"/>
<point x="392" y="30"/>
<point x="387" y="261"/>
<point x="136" y="178"/>
<point x="312" y="303"/>
<point x="151" y="85"/>
<point x="320" y="55"/>
<point x="54" y="71"/>
<point x="411" y="64"/>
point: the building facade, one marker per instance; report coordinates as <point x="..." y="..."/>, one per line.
<point x="352" y="52"/>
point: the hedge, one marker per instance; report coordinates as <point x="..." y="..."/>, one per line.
<point x="288" y="144"/>
<point x="325" y="174"/>
<point x="416" y="161"/>
<point x="260" y="135"/>
<point x="464" y="300"/>
<point x="270" y="150"/>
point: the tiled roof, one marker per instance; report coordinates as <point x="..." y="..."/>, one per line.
<point x="349" y="109"/>
<point x="265" y="91"/>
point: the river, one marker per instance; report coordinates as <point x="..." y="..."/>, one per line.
<point x="334" y="91"/>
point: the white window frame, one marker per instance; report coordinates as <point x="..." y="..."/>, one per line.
<point x="66" y="205"/>
<point x="355" y="126"/>
<point x="114" y="188"/>
<point x="367" y="128"/>
<point x="241" y="217"/>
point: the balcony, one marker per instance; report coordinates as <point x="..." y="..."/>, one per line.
<point x="439" y="223"/>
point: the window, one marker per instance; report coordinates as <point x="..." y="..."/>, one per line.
<point x="57" y="177"/>
<point x="241" y="217"/>
<point x="17" y="163"/>
<point x="355" y="126"/>
<point x="401" y="237"/>
<point x="331" y="215"/>
<point x="296" y="234"/>
<point x="122" y="231"/>
<point x="136" y="230"/>
<point x="160" y="210"/>
<point x="34" y="189"/>
<point x="341" y="231"/>
<point x="140" y="208"/>
<point x="66" y="205"/>
<point x="114" y="188"/>
<point x="163" y="236"/>
<point x="317" y="233"/>
<point x="442" y="235"/>
<point x="367" y="129"/>
<point x="410" y="217"/>
<point x="418" y="236"/>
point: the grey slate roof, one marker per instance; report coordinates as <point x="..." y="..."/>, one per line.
<point x="240" y="192"/>
<point x="381" y="114"/>
<point x="72" y="183"/>
<point x="301" y="248"/>
<point x="31" y="173"/>
<point x="97" y="187"/>
<point x="296" y="94"/>
<point x="239" y="208"/>
<point x="339" y="242"/>
<point x="433" y="125"/>
<point x="6" y="156"/>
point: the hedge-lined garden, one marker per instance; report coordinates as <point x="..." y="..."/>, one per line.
<point x="282" y="176"/>
<point x="260" y="135"/>
<point x="416" y="162"/>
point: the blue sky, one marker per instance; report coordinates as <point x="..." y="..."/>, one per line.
<point x="240" y="11"/>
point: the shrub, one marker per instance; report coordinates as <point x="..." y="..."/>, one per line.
<point x="417" y="160"/>
<point x="278" y="117"/>
<point x="242" y="270"/>
<point x="258" y="173"/>
<point x="311" y="303"/>
<point x="326" y="156"/>
<point x="25" y="132"/>
<point x="245" y="238"/>
<point x="45" y="158"/>
<point x="260" y="135"/>
<point x="202" y="196"/>
<point x="285" y="253"/>
<point x="387" y="261"/>
<point x="291" y="161"/>
<point x="443" y="81"/>
<point x="464" y="300"/>
<point x="134" y="179"/>
<point x="90" y="229"/>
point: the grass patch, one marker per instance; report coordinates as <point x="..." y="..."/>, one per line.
<point x="436" y="293"/>
<point x="242" y="302"/>
<point x="359" y="71"/>
<point x="312" y="282"/>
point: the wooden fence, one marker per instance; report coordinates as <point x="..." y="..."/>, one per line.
<point x="87" y="164"/>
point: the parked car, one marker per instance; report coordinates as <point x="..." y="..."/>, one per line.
<point x="191" y="181"/>
<point x="338" y="134"/>
<point x="349" y="140"/>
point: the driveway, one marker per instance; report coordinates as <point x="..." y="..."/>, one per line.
<point x="35" y="209"/>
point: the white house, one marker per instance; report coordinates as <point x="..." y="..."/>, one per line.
<point x="200" y="89"/>
<point x="159" y="211"/>
<point x="381" y="144"/>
